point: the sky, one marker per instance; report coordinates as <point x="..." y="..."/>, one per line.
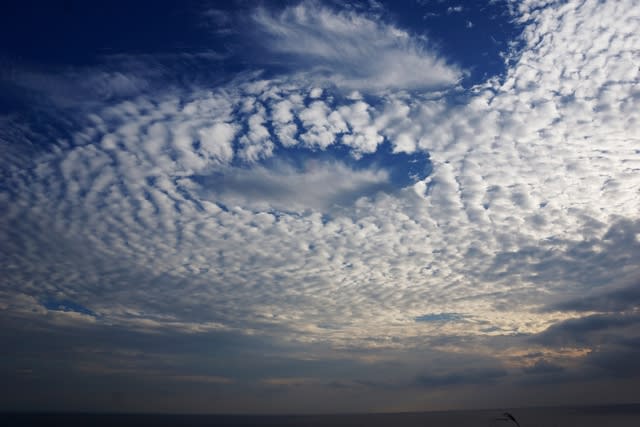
<point x="319" y="207"/>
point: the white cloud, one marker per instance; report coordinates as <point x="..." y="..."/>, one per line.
<point x="217" y="141"/>
<point x="364" y="137"/>
<point x="352" y="50"/>
<point x="321" y="186"/>
<point x="256" y="144"/>
<point x="316" y="92"/>
<point x="322" y="125"/>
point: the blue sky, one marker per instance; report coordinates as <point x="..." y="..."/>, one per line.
<point x="292" y="207"/>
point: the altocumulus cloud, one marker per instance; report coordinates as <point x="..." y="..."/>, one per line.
<point x="187" y="209"/>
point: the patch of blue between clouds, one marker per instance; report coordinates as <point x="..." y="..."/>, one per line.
<point x="66" y="306"/>
<point x="404" y="169"/>
<point x="441" y="317"/>
<point x="401" y="169"/>
<point x="474" y="35"/>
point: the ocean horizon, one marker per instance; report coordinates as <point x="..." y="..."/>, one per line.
<point x="583" y="416"/>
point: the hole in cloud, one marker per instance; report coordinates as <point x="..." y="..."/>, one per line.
<point x="283" y="186"/>
<point x="297" y="179"/>
<point x="66" y="306"/>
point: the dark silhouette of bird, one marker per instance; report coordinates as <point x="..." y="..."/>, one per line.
<point x="512" y="418"/>
<point x="508" y="417"/>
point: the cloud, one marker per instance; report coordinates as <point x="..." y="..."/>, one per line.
<point x="350" y="49"/>
<point x="66" y="88"/>
<point x="470" y="376"/>
<point x="515" y="167"/>
<point x="542" y="367"/>
<point x="609" y="344"/>
<point x="192" y="195"/>
<point x="440" y="317"/>
<point x="321" y="187"/>
<point x="588" y="275"/>
<point x="593" y="330"/>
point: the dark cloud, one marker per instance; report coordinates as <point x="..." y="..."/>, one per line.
<point x="590" y="330"/>
<point x="441" y="317"/>
<point x="610" y="342"/>
<point x="469" y="376"/>
<point x="590" y="274"/>
<point x="623" y="362"/>
<point x="614" y="300"/>
<point x="543" y="367"/>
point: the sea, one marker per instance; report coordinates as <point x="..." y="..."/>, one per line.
<point x="591" y="416"/>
